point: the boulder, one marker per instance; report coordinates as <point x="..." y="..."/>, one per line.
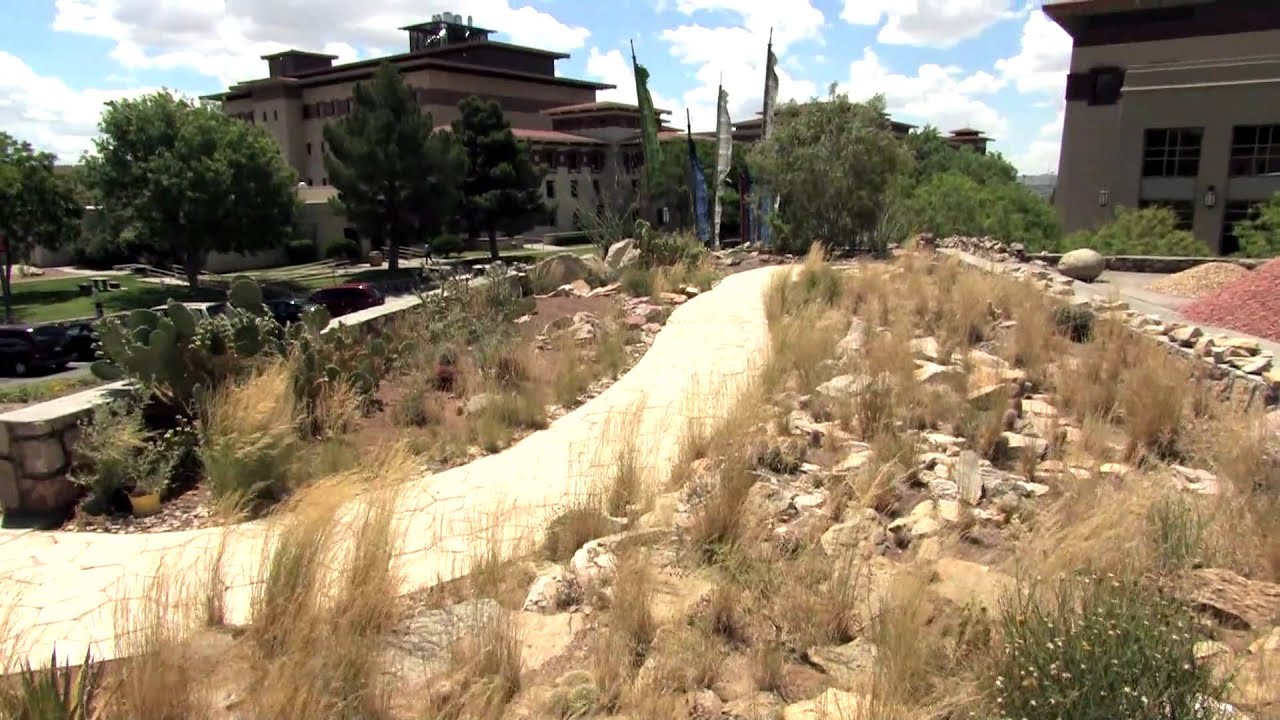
<point x="862" y="532"/>
<point x="1231" y="600"/>
<point x="1084" y="265"/>
<point x="558" y="270"/>
<point x="622" y="254"/>
<point x="849" y="665"/>
<point x="831" y="705"/>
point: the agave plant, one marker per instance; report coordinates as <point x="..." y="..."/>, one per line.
<point x="54" y="692"/>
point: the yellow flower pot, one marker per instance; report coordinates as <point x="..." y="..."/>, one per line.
<point x="146" y="504"/>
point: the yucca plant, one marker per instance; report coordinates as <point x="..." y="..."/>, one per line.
<point x="53" y="693"/>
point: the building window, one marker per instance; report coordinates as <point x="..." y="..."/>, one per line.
<point x="595" y="187"/>
<point x="308" y="148"/>
<point x="626" y="162"/>
<point x="308" y="181"/>
<point x="264" y="116"/>
<point x="574" y="162"/>
<point x="324" y="180"/>
<point x="323" y="149"/>
<point x="573" y="188"/>
<point x="308" y="111"/>
<point x="1172" y="152"/>
<point x="1235" y="212"/>
<point x="1106" y="85"/>
<point x="551" y="217"/>
<point x="1185" y="210"/>
<point x="635" y="186"/>
<point x="275" y="115"/>
<point x="1255" y="150"/>
<point x="551" y="189"/>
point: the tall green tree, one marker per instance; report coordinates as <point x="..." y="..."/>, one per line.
<point x="953" y="203"/>
<point x="185" y="180"/>
<point x="503" y="188"/>
<point x="397" y="179"/>
<point x="36" y="207"/>
<point x="832" y="164"/>
<point x="933" y="156"/>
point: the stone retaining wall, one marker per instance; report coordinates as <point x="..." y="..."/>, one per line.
<point x="37" y="442"/>
<point x="1154" y="264"/>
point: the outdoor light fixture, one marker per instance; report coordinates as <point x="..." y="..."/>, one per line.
<point x="1210" y="197"/>
<point x="1104" y="197"/>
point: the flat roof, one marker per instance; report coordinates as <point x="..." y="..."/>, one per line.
<point x="554" y="136"/>
<point x="299" y="53"/>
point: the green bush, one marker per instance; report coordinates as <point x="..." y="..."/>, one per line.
<point x="637" y="282"/>
<point x="955" y="204"/>
<point x="118" y="456"/>
<point x="1074" y="322"/>
<point x="1100" y="648"/>
<point x="300" y="252"/>
<point x="1260" y="235"/>
<point x="446" y="245"/>
<point x="343" y="249"/>
<point x="663" y="250"/>
<point x="1149" y="231"/>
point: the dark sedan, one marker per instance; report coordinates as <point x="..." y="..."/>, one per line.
<point x="287" y="311"/>
<point x="345" y="299"/>
<point x="24" y="348"/>
<point x="81" y="341"/>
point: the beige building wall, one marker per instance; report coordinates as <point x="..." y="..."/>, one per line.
<point x="1215" y="83"/>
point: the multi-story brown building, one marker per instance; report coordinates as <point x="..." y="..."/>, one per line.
<point x="580" y="141"/>
<point x="1170" y="102"/>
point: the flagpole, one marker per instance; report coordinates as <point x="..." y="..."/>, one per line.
<point x="693" y="197"/>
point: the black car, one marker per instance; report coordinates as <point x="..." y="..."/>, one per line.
<point x="81" y="339"/>
<point x="287" y="311"/>
<point x="24" y="348"/>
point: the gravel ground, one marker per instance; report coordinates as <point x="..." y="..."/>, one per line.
<point x="1199" y="281"/>
<point x="1250" y="305"/>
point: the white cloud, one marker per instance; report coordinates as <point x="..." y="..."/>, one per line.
<point x="225" y="39"/>
<point x="1040" y="68"/>
<point x="945" y="97"/>
<point x="932" y="23"/>
<point x="734" y="54"/>
<point x="47" y="113"/>
<point x="614" y="68"/>
<point x="1043" y="59"/>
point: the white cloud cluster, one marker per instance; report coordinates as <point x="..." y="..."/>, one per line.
<point x="931" y="23"/>
<point x="1040" y="68"/>
<point x="47" y="113"/>
<point x="944" y="96"/>
<point x="224" y="40"/>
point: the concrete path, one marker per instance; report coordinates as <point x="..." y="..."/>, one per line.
<point x="69" y="588"/>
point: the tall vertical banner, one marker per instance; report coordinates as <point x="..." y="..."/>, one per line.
<point x="724" y="157"/>
<point x="768" y="203"/>
<point x="648" y="123"/>
<point x="698" y="183"/>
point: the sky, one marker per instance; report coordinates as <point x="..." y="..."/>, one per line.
<point x="996" y="65"/>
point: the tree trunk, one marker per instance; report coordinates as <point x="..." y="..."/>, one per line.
<point x="191" y="266"/>
<point x="6" y="281"/>
<point x="393" y="253"/>
<point x="493" y="244"/>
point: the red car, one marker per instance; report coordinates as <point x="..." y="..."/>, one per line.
<point x="344" y="299"/>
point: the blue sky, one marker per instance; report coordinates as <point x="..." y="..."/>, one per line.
<point x="997" y="65"/>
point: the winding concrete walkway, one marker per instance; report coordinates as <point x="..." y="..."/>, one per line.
<point x="70" y="588"/>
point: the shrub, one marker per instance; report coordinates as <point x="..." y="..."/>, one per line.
<point x="572" y="529"/>
<point x="1099" y="648"/>
<point x="1075" y="322"/>
<point x="445" y="245"/>
<point x="637" y="282"/>
<point x="300" y="251"/>
<point x="58" y="692"/>
<point x="119" y="457"/>
<point x="343" y="249"/>
<point x="1149" y="231"/>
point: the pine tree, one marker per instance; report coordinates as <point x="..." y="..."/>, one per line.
<point x="503" y="188"/>
<point x="396" y="179"/>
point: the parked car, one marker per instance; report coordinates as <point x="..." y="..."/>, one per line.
<point x="201" y="310"/>
<point x="344" y="299"/>
<point x="81" y="338"/>
<point x="287" y="311"/>
<point x="24" y="348"/>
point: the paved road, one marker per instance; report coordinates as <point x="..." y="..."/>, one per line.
<point x="73" y="371"/>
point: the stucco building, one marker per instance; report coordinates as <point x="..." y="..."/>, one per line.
<point x="1170" y="102"/>
<point x="580" y="141"/>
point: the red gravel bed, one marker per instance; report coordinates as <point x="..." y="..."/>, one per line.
<point x="1249" y="305"/>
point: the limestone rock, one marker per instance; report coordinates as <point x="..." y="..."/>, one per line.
<point x="1186" y="335"/>
<point x="849" y="665"/>
<point x="926" y="348"/>
<point x="1193" y="480"/>
<point x="841" y="386"/>
<point x="968" y="478"/>
<point x="1084" y="265"/>
<point x="622" y="254"/>
<point x="831" y="705"/>
<point x="549" y="591"/>
<point x="861" y="533"/>
<point x="558" y="270"/>
<point x="853" y="340"/>
<point x="930" y="373"/>
<point x="919" y="523"/>
<point x="757" y="706"/>
<point x="963" y="582"/>
<point x="1232" y="600"/>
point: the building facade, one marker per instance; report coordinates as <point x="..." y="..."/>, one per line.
<point x="1170" y="102"/>
<point x="582" y="143"/>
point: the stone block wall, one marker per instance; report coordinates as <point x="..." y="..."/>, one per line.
<point x="1154" y="264"/>
<point x="36" y="449"/>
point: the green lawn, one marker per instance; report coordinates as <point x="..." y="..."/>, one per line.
<point x="37" y="301"/>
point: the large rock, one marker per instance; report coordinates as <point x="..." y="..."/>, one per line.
<point x="622" y="254"/>
<point x="831" y="705"/>
<point x="1231" y="600"/>
<point x="849" y="665"/>
<point x="548" y="274"/>
<point x="860" y="533"/>
<point x="1084" y="265"/>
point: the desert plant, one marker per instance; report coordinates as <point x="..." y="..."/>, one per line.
<point x="343" y="249"/>
<point x="119" y="455"/>
<point x="1099" y="647"/>
<point x="1178" y="532"/>
<point x="300" y="251"/>
<point x="56" y="692"/>
<point x="572" y="529"/>
<point x="631" y="615"/>
<point x="1074" y="322"/>
<point x="637" y="282"/>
